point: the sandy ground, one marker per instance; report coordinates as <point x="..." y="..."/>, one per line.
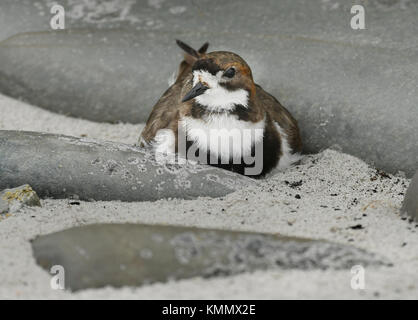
<point x="323" y="198"/>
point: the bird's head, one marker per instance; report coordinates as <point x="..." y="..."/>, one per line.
<point x="220" y="80"/>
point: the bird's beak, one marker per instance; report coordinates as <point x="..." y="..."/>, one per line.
<point x="197" y="90"/>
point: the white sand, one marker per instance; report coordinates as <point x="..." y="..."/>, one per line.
<point x="331" y="181"/>
<point x="16" y="115"/>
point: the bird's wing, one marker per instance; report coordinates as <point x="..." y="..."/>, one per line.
<point x="282" y="117"/>
<point x="164" y="115"/>
<point x="190" y="57"/>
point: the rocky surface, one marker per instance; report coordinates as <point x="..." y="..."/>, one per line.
<point x="355" y="89"/>
<point x="410" y="204"/>
<point x="132" y="255"/>
<point x="62" y="167"/>
<point x="330" y="196"/>
<point x="360" y="97"/>
<point x="12" y="200"/>
<point x="326" y="20"/>
<point x="97" y="75"/>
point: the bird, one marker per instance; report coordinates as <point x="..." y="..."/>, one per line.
<point x="214" y="101"/>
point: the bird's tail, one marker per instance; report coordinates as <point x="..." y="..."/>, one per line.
<point x="190" y="57"/>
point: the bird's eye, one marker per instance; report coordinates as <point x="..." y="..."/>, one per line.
<point x="229" y="73"/>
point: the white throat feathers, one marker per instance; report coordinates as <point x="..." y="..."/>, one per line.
<point x="218" y="98"/>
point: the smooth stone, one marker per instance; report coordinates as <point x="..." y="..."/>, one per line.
<point x="410" y="203"/>
<point x="21" y="16"/>
<point x="133" y="255"/>
<point x="104" y="76"/>
<point x="362" y="98"/>
<point x="12" y="200"/>
<point x="63" y="167"/>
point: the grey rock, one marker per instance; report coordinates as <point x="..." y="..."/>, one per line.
<point x="12" y="200"/>
<point x="362" y="98"/>
<point x="389" y="23"/>
<point x="410" y="203"/>
<point x="61" y="167"/>
<point x="101" y="76"/>
<point x="132" y="255"/>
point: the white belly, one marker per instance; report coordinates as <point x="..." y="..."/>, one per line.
<point x="224" y="135"/>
